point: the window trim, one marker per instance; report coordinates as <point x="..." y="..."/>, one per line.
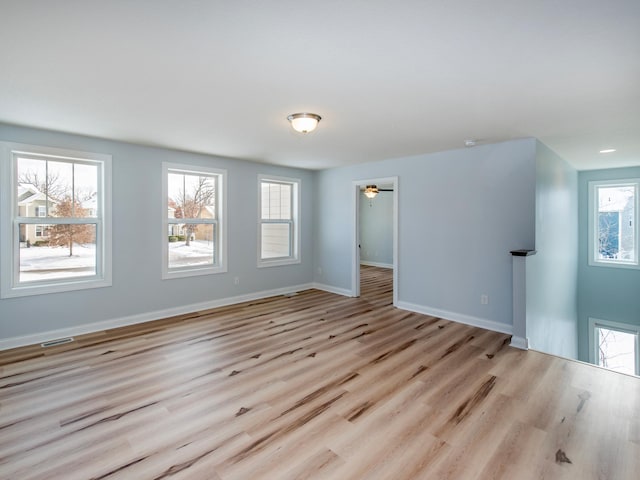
<point x="610" y="325"/>
<point x="10" y="286"/>
<point x="220" y="221"/>
<point x="295" y="257"/>
<point x="593" y="223"/>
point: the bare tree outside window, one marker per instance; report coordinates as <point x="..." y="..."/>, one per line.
<point x="192" y="200"/>
<point x="617" y="350"/>
<point x="49" y="183"/>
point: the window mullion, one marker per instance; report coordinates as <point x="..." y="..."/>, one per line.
<point x="57" y="221"/>
<point x="191" y="221"/>
<point x="271" y="220"/>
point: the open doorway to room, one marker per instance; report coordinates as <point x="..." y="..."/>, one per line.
<point x="375" y="249"/>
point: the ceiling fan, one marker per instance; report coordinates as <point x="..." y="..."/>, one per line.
<point x="370" y="191"/>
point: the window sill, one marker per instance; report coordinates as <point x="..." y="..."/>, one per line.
<point x="277" y="262"/>
<point x="69" y="286"/>
<point x="601" y="263"/>
<point x="192" y="272"/>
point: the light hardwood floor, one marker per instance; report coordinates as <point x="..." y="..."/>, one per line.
<point x="312" y="386"/>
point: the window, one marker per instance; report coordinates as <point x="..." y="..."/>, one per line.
<point x="41" y="231"/>
<point x="194" y="241"/>
<point x="615" y="346"/>
<point x="50" y="241"/>
<point x="278" y="229"/>
<point x="613" y="223"/>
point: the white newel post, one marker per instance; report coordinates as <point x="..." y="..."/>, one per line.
<point x="519" y="338"/>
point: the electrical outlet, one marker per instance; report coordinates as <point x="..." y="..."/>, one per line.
<point x="484" y="299"/>
<point x="319" y="270"/>
<point x="236" y="281"/>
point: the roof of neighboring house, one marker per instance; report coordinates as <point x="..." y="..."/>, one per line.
<point x="28" y="194"/>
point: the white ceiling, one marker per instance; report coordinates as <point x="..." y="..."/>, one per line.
<point x="390" y="79"/>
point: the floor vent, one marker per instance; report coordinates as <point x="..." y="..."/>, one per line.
<point x="59" y="341"/>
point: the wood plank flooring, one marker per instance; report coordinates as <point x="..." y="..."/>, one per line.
<point x="312" y="386"/>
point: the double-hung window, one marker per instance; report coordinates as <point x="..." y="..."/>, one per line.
<point x="194" y="221"/>
<point x="613" y="223"/>
<point x="278" y="229"/>
<point x="56" y="229"/>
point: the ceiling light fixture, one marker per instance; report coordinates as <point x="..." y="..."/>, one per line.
<point x="371" y="191"/>
<point x="304" y="122"/>
<point x="470" y="142"/>
<point x="608" y="150"/>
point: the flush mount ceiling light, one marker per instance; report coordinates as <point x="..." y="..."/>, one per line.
<point x="304" y="122"/>
<point x="371" y="191"/>
<point x="608" y="150"/>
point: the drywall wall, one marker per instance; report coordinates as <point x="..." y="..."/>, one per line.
<point x="376" y="229"/>
<point x="552" y="274"/>
<point x="137" y="286"/>
<point x="460" y="213"/>
<point x="604" y="293"/>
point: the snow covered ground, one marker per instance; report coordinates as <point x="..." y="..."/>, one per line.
<point x="48" y="263"/>
<point x="200" y="252"/>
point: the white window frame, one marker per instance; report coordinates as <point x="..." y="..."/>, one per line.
<point x="296" y="187"/>
<point x="595" y="323"/>
<point x="593" y="224"/>
<point x="10" y="286"/>
<point x="220" y="248"/>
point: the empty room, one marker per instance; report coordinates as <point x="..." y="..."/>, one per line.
<point x="345" y="240"/>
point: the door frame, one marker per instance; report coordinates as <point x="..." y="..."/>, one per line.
<point x="355" y="263"/>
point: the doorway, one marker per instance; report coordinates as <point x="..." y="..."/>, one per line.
<point x="388" y="187"/>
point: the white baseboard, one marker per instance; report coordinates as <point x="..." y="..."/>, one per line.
<point x="376" y="264"/>
<point x="40" y="337"/>
<point x="457" y="317"/>
<point x="520" y="342"/>
<point x="331" y="289"/>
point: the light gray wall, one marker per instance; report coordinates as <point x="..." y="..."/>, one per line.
<point x="137" y="201"/>
<point x="552" y="274"/>
<point x="605" y="293"/>
<point x="460" y="214"/>
<point x="376" y="228"/>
